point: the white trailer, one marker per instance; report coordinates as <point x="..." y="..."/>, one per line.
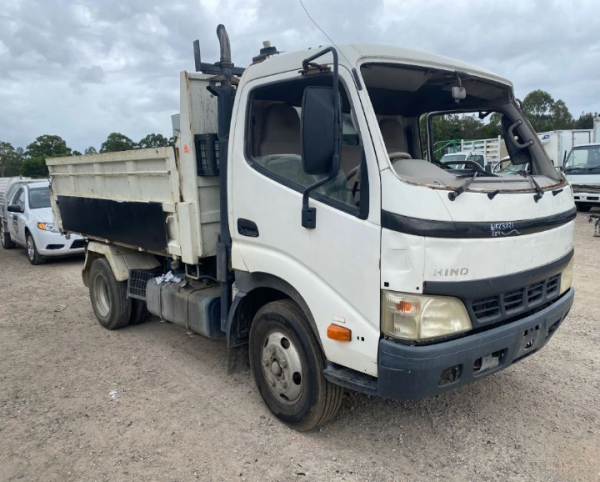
<point x="558" y="144"/>
<point x="329" y="258"/>
<point x="491" y="149"/>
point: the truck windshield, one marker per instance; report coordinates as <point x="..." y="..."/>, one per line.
<point x="410" y="101"/>
<point x="39" y="197"/>
<point x="583" y="160"/>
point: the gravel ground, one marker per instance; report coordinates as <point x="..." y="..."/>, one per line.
<point x="150" y="402"/>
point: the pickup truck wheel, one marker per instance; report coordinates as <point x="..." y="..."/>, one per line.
<point x="7" y="243"/>
<point x="32" y="253"/>
<point x="287" y="365"/>
<point x="139" y="312"/>
<point x="584" y="208"/>
<point x="109" y="296"/>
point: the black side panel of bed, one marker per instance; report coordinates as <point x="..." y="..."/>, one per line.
<point x="135" y="223"/>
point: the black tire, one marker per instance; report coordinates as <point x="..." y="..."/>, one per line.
<point x="139" y="312"/>
<point x="34" y="257"/>
<point x="7" y="242"/>
<point x="282" y="349"/>
<point x="108" y="296"/>
<point x="584" y="208"/>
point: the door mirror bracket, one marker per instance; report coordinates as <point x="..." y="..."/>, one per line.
<point x="321" y="135"/>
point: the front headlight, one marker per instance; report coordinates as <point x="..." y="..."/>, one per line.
<point x="566" y="278"/>
<point x="45" y="226"/>
<point x="419" y="318"/>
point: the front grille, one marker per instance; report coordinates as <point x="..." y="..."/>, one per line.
<point x="78" y="244"/>
<point x="516" y="301"/>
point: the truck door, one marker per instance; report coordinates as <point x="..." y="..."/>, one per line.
<point x="16" y="222"/>
<point x="334" y="267"/>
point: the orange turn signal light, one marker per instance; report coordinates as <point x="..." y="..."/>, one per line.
<point x="339" y="333"/>
<point x="406" y="306"/>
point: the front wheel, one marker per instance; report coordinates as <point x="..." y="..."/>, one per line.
<point x="584" y="208"/>
<point x="109" y="296"/>
<point x="32" y="253"/>
<point x="287" y="365"/>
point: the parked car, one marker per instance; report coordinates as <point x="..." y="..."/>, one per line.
<point x="505" y="166"/>
<point x="26" y="220"/>
<point x="456" y="160"/>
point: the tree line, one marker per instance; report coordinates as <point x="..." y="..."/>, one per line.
<point x="31" y="161"/>
<point x="544" y="113"/>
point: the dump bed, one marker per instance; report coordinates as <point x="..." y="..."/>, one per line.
<point x="157" y="200"/>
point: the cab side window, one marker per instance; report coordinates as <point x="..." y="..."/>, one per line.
<point x="19" y="198"/>
<point x="273" y="142"/>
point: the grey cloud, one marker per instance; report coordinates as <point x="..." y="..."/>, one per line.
<point x="84" y="68"/>
<point x="94" y="74"/>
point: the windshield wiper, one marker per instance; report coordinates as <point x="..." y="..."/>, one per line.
<point x="539" y="191"/>
<point x="459" y="190"/>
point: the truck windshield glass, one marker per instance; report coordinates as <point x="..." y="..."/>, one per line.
<point x="424" y="128"/>
<point x="583" y="160"/>
<point x="39" y="197"/>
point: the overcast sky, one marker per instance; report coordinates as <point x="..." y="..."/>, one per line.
<point x="84" y="68"/>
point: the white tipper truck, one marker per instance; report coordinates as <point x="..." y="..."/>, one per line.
<point x="295" y="220"/>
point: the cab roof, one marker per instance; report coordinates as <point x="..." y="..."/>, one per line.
<point x="352" y="56"/>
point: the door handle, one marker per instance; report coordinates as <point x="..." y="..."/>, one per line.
<point x="247" y="228"/>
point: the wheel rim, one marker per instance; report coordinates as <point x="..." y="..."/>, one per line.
<point x="282" y="367"/>
<point x="101" y="297"/>
<point x="30" y="248"/>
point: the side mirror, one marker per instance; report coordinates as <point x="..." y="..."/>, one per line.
<point x="488" y="168"/>
<point x="319" y="127"/>
<point x="14" y="208"/>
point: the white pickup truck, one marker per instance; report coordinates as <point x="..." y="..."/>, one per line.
<point x="330" y="258"/>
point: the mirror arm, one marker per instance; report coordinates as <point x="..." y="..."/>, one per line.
<point x="309" y="215"/>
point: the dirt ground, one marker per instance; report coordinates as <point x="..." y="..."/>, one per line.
<point x="149" y="402"/>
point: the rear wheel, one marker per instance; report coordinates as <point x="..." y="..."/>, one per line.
<point x="109" y="296"/>
<point x="584" y="208"/>
<point x="287" y="365"/>
<point x="139" y="312"/>
<point x="34" y="257"/>
<point x="7" y="242"/>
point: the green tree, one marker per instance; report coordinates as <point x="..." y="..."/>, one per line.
<point x="546" y="114"/>
<point x="117" y="142"/>
<point x="76" y="153"/>
<point x="48" y="146"/>
<point x="154" y="140"/>
<point x="34" y="167"/>
<point x="585" y="120"/>
<point x="90" y="150"/>
<point x="561" y="117"/>
<point x="10" y="159"/>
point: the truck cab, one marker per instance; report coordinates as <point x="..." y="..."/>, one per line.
<point x="344" y="257"/>
<point x="582" y="168"/>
